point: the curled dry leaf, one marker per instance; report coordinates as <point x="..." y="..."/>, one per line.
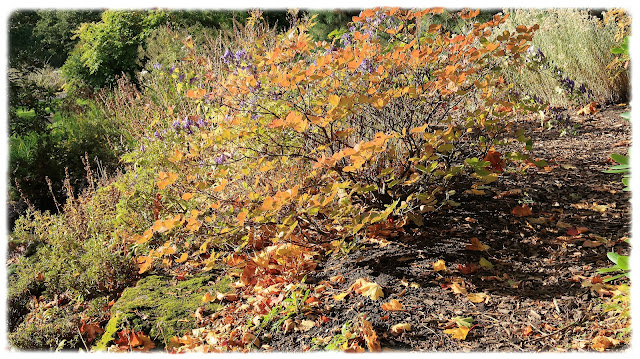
<point x="337" y="279"/>
<point x="400" y="328"/>
<point x="370" y="336"/>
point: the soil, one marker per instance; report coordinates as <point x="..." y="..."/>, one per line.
<point x="536" y="300"/>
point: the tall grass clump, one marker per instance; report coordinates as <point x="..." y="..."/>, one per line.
<point x="569" y="59"/>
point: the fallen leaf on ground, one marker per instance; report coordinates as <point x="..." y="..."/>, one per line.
<point x="522" y="211"/>
<point x="439" y="265"/>
<point x="485" y="263"/>
<point x="477" y="297"/>
<point x="459" y="333"/>
<point x="92" y="331"/>
<point x="367" y="289"/>
<point x="458" y="287"/>
<point x="591" y="244"/>
<point x="588" y="109"/>
<point x="392" y="305"/>
<point x="601" y="343"/>
<point x="370" y="336"/>
<point x="401" y="327"/>
<point x="306" y="325"/>
<point x="599" y="208"/>
<point x="468" y="268"/>
<point x="207" y="297"/>
<point x="476" y="245"/>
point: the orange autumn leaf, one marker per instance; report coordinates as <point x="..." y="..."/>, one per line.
<point x="588" y="109"/>
<point x="522" y="210"/>
<point x="601" y="343"/>
<point x="392" y="305"/>
<point x="166" y="179"/>
<point x="370" y="337"/>
<point x="476" y="245"/>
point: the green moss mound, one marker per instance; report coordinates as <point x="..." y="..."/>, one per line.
<point x="161" y="307"/>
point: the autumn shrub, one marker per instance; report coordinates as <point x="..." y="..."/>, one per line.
<point x="568" y="61"/>
<point x="304" y="139"/>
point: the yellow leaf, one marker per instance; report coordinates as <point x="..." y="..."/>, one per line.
<point x="207" y="297"/>
<point x="393" y="305"/>
<point x="334" y="100"/>
<point x="340" y="296"/>
<point x="401" y="327"/>
<point x="439" y="265"/>
<point x="459" y="333"/>
<point x="187" y="196"/>
<point x="367" y="289"/>
<point x="458" y="289"/>
<point x="477" y="297"/>
<point x="182" y="258"/>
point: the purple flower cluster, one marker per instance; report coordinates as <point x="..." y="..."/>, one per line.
<point x="568" y="83"/>
<point x="187" y="125"/>
<point x="221" y="159"/>
<point x="366" y="66"/>
<point x="239" y="59"/>
<point x="346" y="39"/>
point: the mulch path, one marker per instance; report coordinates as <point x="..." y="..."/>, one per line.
<point x="535" y="297"/>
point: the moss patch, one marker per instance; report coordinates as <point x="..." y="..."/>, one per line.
<point x="161" y="307"/>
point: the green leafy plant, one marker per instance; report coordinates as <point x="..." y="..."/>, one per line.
<point x="621" y="264"/>
<point x="624" y="167"/>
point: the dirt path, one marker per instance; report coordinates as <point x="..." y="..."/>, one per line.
<point x="534" y="299"/>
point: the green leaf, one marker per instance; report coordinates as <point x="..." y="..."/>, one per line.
<point x="624" y="160"/>
<point x="623" y="262"/>
<point x="613" y="256"/>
